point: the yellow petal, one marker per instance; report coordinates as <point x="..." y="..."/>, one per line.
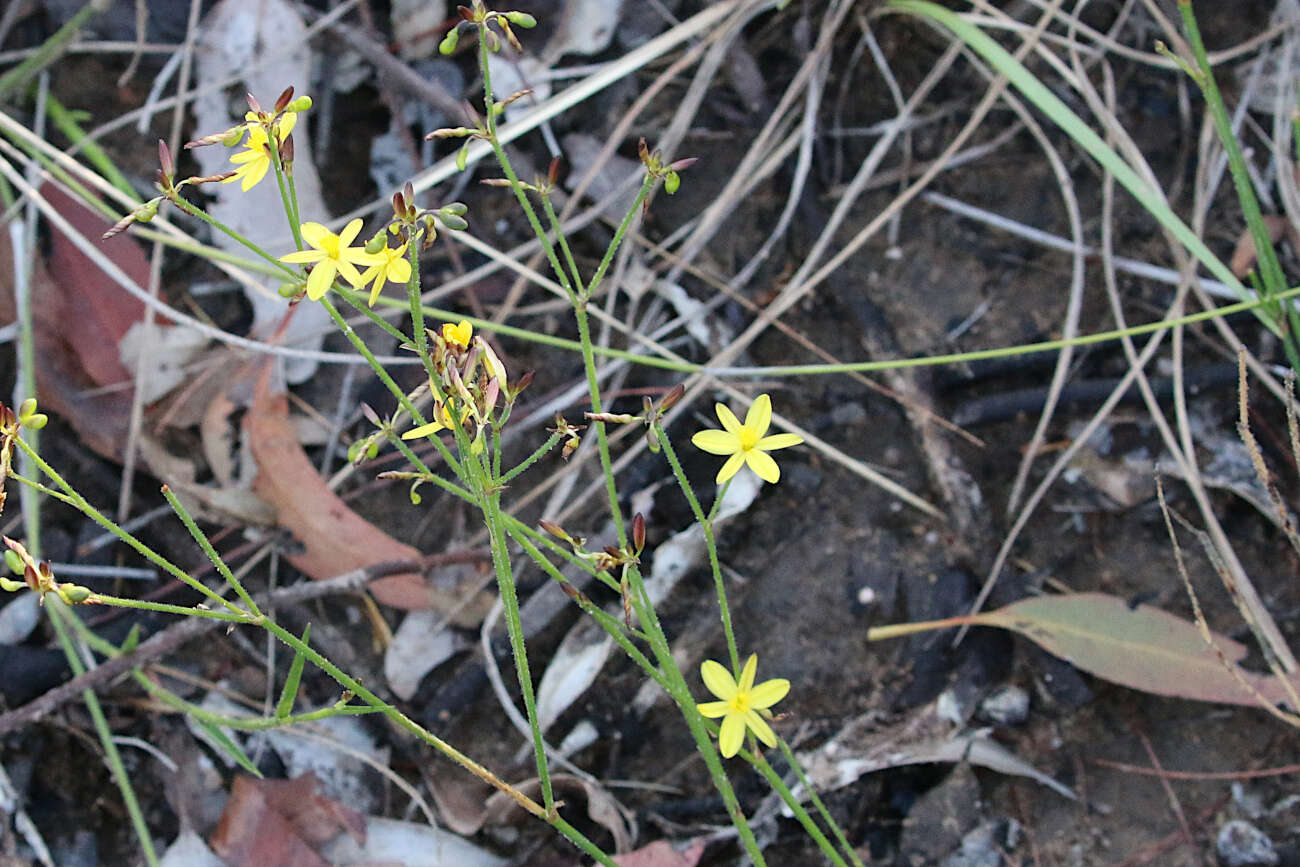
<point x="255" y="172"/>
<point x="350" y="273"/>
<point x="769" y="692"/>
<point x="399" y="270"/>
<point x="713" y="709"/>
<point x="778" y="441"/>
<point x="718" y="680"/>
<point x="315" y="234"/>
<point x="459" y="334"/>
<point x="732" y="735"/>
<point x="762" y="464"/>
<point x="377" y="274"/>
<point x="728" y="418"/>
<point x="303" y="257"/>
<point x="760" y="727"/>
<point x="423" y="430"/>
<point x="320" y="280"/>
<point x="747" y="673"/>
<point x="759" y="415"/>
<point x="285" y="124"/>
<point x="350" y="232"/>
<point x="731" y="467"/>
<point x="716" y="442"/>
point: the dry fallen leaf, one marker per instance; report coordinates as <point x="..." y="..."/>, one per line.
<point x="334" y="538"/>
<point x="280" y="822"/>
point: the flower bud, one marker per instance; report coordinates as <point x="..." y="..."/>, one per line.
<point x="521" y="19"/>
<point x="233" y="136"/>
<point x="253" y="104"/>
<point x="37" y="421"/>
<point x="25" y="409"/>
<point x="460" y="209"/>
<point x="378" y="242"/>
<point x="283" y="99"/>
<point x="11" y="586"/>
<point x="288" y="290"/>
<point x="638" y="532"/>
<point x="14" y="561"/>
<point x="453" y="222"/>
<point x="74" y="594"/>
<point x="554" y="529"/>
<point x="672" y="181"/>
<point x="165" y="160"/>
<point x="462" y="158"/>
<point x="672" y="397"/>
<point x="302" y="103"/>
<point x="450" y="41"/>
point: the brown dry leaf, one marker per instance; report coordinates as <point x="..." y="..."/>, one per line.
<point x="1243" y="255"/>
<point x="254" y="832"/>
<point x="66" y="379"/>
<point x="1136" y="646"/>
<point x="335" y="539"/>
<point x="660" y="853"/>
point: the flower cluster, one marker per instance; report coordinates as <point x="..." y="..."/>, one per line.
<point x="471" y="380"/>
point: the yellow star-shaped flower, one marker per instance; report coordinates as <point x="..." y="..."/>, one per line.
<point x="746" y="443"/>
<point x="740" y="703"/>
<point x="255" y="159"/>
<point x="392" y="267"/>
<point x="331" y="255"/>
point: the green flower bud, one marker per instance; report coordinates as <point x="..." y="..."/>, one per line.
<point x="354" y="451"/>
<point x="14" y="562"/>
<point x="27" y="409"/>
<point x="378" y="242"/>
<point x="147" y="211"/>
<point x="672" y="181"/>
<point x="521" y="19"/>
<point x="37" y="421"/>
<point x="233" y="137"/>
<point x="462" y="158"/>
<point x="9" y="585"/>
<point x="453" y="222"/>
<point x="458" y="208"/>
<point x="302" y="103"/>
<point x="74" y="594"/>
<point x="288" y="290"/>
<point x="416" y="499"/>
<point x="450" y="41"/>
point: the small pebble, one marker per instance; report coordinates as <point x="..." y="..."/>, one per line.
<point x="1005" y="706"/>
<point x="1241" y="844"/>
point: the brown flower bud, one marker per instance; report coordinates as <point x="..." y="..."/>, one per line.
<point x="282" y="101"/>
<point x="638" y="532"/>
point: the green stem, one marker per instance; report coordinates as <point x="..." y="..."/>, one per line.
<point x="219" y="564"/>
<point x="647" y="184"/>
<point x="778" y="785"/>
<point x="710" y="543"/>
<point x="1272" y="278"/>
<point x="558" y="228"/>
<point x="551" y="442"/>
<point x="78" y="502"/>
<point x="514" y="626"/>
<point x="793" y="802"/>
<point x="114" y="759"/>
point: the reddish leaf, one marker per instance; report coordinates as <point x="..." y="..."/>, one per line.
<point x="251" y="833"/>
<point x="335" y="539"/>
<point x="662" y="854"/>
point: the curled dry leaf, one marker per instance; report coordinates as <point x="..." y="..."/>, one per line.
<point x="281" y="822"/>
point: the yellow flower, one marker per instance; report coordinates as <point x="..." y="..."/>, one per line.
<point x="458" y="334"/>
<point x="746" y="443"/>
<point x="441" y="421"/>
<point x="393" y="266"/>
<point x="331" y="255"/>
<point x="255" y="159"/>
<point x="740" y="703"/>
